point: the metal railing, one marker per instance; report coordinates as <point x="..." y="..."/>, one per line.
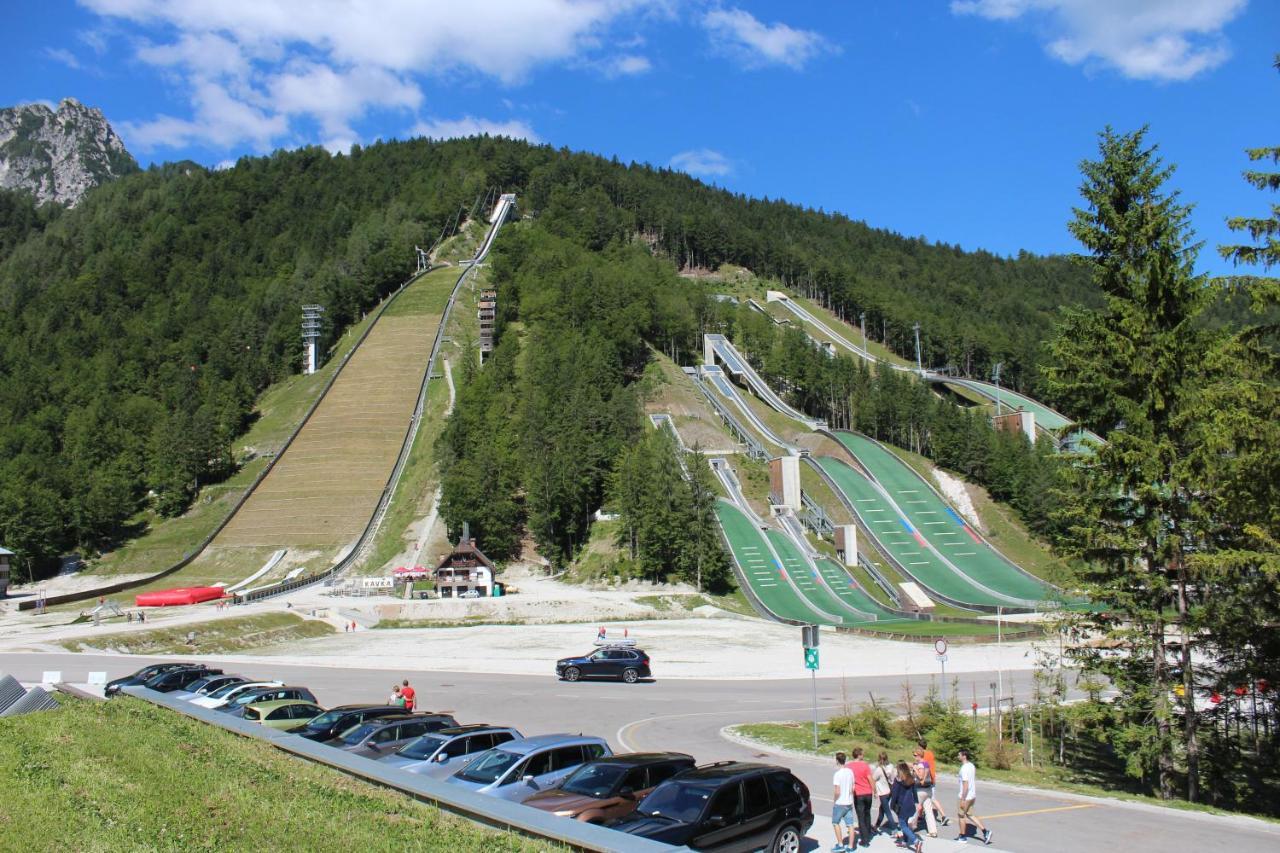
<point x="492" y="811"/>
<point x="755" y="448"/>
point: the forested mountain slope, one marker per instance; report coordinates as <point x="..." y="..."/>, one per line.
<point x="137" y="329"/>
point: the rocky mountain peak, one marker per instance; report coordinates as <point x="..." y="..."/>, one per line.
<point x="59" y="155"/>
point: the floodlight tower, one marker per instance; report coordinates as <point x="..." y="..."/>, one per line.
<point x="919" y="366"/>
<point x="862" y="321"/>
<point x="999" y="364"/>
<point x="310" y="334"/>
<point x="422" y="258"/>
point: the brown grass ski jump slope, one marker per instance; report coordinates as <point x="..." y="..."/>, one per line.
<point x="322" y="491"/>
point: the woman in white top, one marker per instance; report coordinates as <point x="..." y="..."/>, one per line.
<point x="883" y="774"/>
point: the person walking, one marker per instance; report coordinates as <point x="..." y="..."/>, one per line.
<point x="924" y="791"/>
<point x="396" y="698"/>
<point x="410" y="696"/>
<point x="842" y="799"/>
<point x="862" y="793"/>
<point x="882" y="775"/>
<point x="969" y="793"/>
<point x="932" y="761"/>
<point x="902" y="799"/>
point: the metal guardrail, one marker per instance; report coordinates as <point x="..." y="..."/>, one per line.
<point x="492" y="811"/>
<point x="815" y="517"/>
<point x="406" y="448"/>
<point x="755" y="448"/>
<point x="187" y="559"/>
<point x="880" y="580"/>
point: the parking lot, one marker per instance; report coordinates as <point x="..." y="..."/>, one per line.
<point x="688" y="715"/>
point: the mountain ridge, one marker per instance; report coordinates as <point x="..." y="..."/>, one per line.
<point x="58" y="156"/>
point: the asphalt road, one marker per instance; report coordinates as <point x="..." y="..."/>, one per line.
<point x="688" y="715"/>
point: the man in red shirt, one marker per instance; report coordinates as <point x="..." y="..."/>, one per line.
<point x="863" y="789"/>
<point x="410" y="696"/>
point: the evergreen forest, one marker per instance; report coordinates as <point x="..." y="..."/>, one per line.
<point x="137" y="329"/>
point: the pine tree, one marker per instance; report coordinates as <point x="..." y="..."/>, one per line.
<point x="1132" y="370"/>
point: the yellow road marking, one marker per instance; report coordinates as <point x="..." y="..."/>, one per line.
<point x="1040" y="811"/>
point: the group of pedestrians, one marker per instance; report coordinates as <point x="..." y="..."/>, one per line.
<point x="905" y="792"/>
<point x="403" y="696"/>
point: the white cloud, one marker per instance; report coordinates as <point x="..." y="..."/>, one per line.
<point x="61" y="54"/>
<point x="472" y="126"/>
<point x="741" y="35"/>
<point x="348" y="58"/>
<point x="220" y="118"/>
<point x="1168" y="40"/>
<point x="702" y="161"/>
<point x="627" y="65"/>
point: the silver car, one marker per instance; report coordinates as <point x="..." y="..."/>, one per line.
<point x="442" y="753"/>
<point x="519" y="769"/>
<point x="383" y="736"/>
<point x="207" y="685"/>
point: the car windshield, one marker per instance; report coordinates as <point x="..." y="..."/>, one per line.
<point x="198" y="683"/>
<point x="248" y="697"/>
<point x="326" y="719"/>
<point x="595" y="780"/>
<point x="225" y="689"/>
<point x="357" y="733"/>
<point x="489" y="767"/>
<point x="676" y="801"/>
<point x="423" y="747"/>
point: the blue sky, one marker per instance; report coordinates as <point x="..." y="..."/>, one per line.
<point x="962" y="121"/>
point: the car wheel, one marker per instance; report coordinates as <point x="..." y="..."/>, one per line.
<point x="629" y="675"/>
<point x="572" y="674"/>
<point x="787" y="840"/>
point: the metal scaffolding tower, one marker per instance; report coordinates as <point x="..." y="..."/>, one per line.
<point x="311" y="323"/>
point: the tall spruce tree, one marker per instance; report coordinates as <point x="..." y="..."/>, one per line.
<point x="1133" y="370"/>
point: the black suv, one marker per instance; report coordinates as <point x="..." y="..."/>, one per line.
<point x="335" y="721"/>
<point x="178" y="679"/>
<point x="142" y="676"/>
<point x="628" y="664"/>
<point x="727" y="806"/>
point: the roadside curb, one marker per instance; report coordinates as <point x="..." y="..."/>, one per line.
<point x="1243" y="821"/>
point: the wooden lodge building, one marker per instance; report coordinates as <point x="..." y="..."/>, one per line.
<point x="466" y="569"/>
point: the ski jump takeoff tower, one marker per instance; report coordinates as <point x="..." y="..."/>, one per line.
<point x="310" y="334"/>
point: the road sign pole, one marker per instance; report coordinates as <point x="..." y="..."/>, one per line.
<point x="813" y="679"/>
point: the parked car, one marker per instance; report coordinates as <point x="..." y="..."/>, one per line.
<point x="335" y="721"/>
<point x="227" y="692"/>
<point x="142" y="676"/>
<point x="518" y="769"/>
<point x="207" y="685"/>
<point x="727" y="806"/>
<point x="628" y="664"/>
<point x="264" y="694"/>
<point x="383" y="736"/>
<point x="471" y="593"/>
<point x="179" y="679"/>
<point x="441" y="753"/>
<point x="609" y="788"/>
<point x="281" y="714"/>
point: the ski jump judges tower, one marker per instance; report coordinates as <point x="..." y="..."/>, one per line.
<point x="310" y="334"/>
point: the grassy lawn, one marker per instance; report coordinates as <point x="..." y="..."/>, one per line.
<point x="850" y="333"/>
<point x="126" y="775"/>
<point x="223" y="636"/>
<point x="798" y="737"/>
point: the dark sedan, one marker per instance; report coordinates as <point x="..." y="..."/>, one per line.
<point x="628" y="664"/>
<point x="609" y="788"/>
<point x="142" y="676"/>
<point x="335" y="721"/>
<point x="180" y="679"/>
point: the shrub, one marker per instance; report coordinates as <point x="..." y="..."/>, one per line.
<point x="952" y="733"/>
